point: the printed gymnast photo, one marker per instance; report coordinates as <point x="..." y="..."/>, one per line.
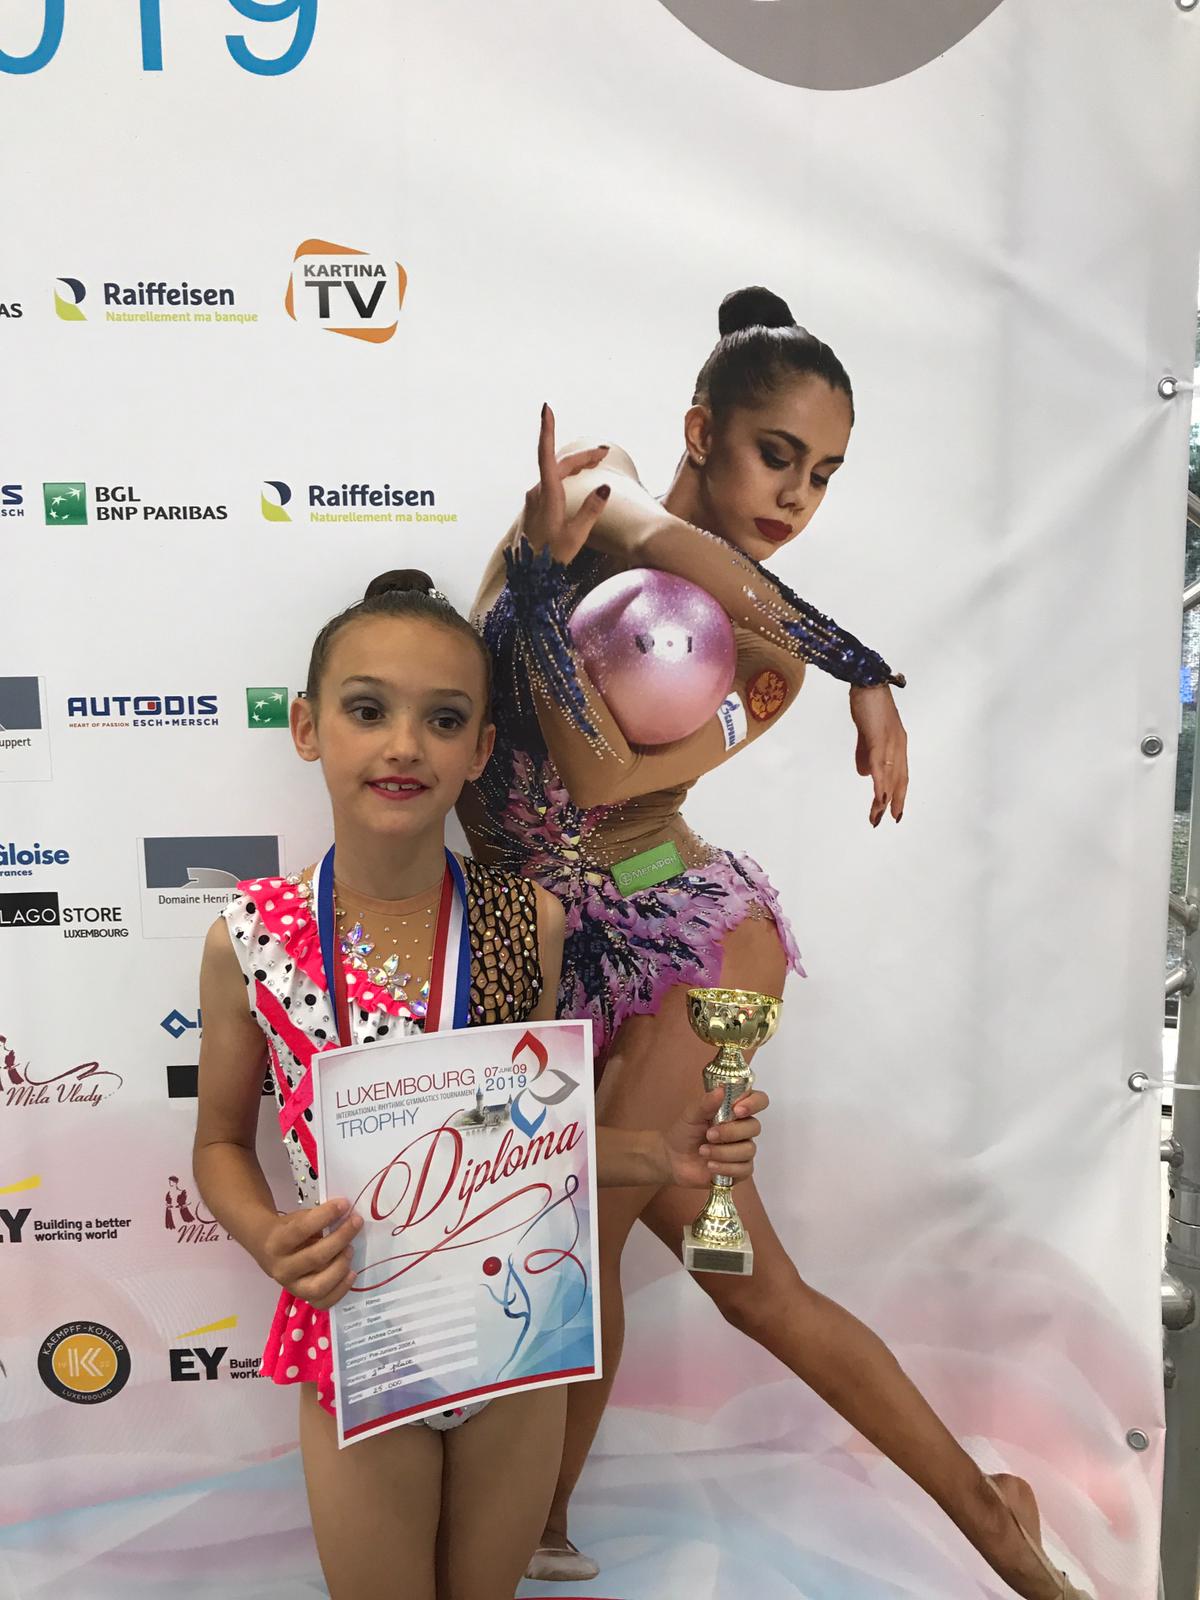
<point x="638" y="644"/>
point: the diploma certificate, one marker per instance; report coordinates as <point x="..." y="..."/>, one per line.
<point x="471" y="1157"/>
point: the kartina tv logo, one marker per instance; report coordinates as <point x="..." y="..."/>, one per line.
<point x="344" y="290"/>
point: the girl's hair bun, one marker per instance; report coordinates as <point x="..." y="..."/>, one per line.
<point x="407" y="580"/>
<point x="753" y="308"/>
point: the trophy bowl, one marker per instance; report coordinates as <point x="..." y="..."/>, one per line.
<point x="734" y="1020"/>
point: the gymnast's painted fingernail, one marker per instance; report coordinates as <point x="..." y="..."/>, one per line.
<point x="603" y="492"/>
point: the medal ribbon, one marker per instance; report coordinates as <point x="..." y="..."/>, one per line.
<point x="450" y="976"/>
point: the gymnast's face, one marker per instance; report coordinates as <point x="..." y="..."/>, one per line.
<point x="766" y="470"/>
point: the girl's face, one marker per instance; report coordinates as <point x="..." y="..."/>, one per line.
<point x="398" y="726"/>
<point x="766" y="470"/>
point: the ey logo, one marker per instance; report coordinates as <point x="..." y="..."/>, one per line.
<point x="12" y="1217"/>
<point x="187" y="1364"/>
<point x="345" y="290"/>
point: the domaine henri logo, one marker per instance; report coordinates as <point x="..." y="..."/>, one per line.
<point x="151" y="300"/>
<point x="267" y="708"/>
<point x="66" y="504"/>
<point x="21" y="1084"/>
<point x="84" y="1362"/>
<point x="69" y="295"/>
<point x="186" y="881"/>
<point x="142" y="711"/>
<point x="18" y="861"/>
<point x="197" y="1362"/>
<point x="19" y="1229"/>
<point x="12" y="500"/>
<point x="274" y="502"/>
<point x="355" y="502"/>
<point x="345" y="290"/>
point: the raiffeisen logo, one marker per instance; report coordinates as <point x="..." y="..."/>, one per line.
<point x="69" y="295"/>
<point x="142" y="711"/>
<point x="274" y="499"/>
<point x="369" y="502"/>
<point x="344" y="290"/>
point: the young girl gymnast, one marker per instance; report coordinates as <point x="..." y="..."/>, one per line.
<point x="397" y="711"/>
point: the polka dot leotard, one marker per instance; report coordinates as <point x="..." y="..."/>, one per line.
<point x="274" y="934"/>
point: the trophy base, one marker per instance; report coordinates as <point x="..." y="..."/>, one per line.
<point x="703" y="1257"/>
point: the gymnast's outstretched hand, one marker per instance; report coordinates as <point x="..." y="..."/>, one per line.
<point x="698" y="1150"/>
<point x="546" y="521"/>
<point x="882" y="752"/>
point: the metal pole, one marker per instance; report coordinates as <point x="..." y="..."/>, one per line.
<point x="1181" y="1340"/>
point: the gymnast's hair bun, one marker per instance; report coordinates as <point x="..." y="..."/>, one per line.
<point x="407" y="580"/>
<point x="753" y="308"/>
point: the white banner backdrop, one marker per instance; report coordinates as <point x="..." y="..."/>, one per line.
<point x="1001" y="245"/>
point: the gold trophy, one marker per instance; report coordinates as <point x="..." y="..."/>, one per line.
<point x="736" y="1020"/>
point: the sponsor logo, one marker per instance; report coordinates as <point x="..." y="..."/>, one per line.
<point x="65" y="504"/>
<point x="18" y="1225"/>
<point x="356" y="502"/>
<point x="274" y="499"/>
<point x="765" y="693"/>
<point x="206" y="1363"/>
<point x="12" y="500"/>
<point x="142" y="711"/>
<point x="152" y="300"/>
<point x="186" y="881"/>
<point x="344" y="290"/>
<point x="24" y="745"/>
<point x="23" y="1084"/>
<point x="39" y="908"/>
<point x="69" y="295"/>
<point x="11" y="309"/>
<point x="18" y="861"/>
<point x="267" y="708"/>
<point x="84" y="1362"/>
<point x="183" y="1080"/>
<point x="185" y="1218"/>
<point x="176" y="1023"/>
<point x="301" y="13"/>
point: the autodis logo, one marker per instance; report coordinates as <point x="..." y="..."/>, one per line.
<point x="19" y="1225"/>
<point x="345" y="290"/>
<point x="188" y="880"/>
<point x="24" y="745"/>
<point x="275" y="498"/>
<point x="18" y="861"/>
<point x="152" y="300"/>
<point x="24" y="1084"/>
<point x="142" y="711"/>
<point x="66" y="506"/>
<point x="69" y="295"/>
<point x="12" y="500"/>
<point x="84" y="1362"/>
<point x="207" y="1362"/>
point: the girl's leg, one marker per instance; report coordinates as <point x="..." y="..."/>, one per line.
<point x="374" y="1507"/>
<point x="497" y="1481"/>
<point x="639" y="1090"/>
